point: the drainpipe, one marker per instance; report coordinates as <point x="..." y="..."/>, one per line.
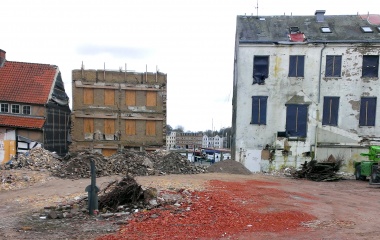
<point x="319" y="101"/>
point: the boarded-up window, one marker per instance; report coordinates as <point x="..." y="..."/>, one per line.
<point x="88" y="96"/>
<point x="296" y="120"/>
<point x="88" y="125"/>
<point x="130" y="127"/>
<point x="109" y="126"/>
<point x="259" y="110"/>
<point x="150" y="128"/>
<point x="109" y="97"/>
<point x="130" y="98"/>
<point x="330" y="111"/>
<point x="151" y="99"/>
<point x="296" y="66"/>
<point x="367" y="111"/>
<point x="108" y="152"/>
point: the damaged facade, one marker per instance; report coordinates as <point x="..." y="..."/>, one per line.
<point x="116" y="110"/>
<point x="304" y="87"/>
<point x="34" y="108"/>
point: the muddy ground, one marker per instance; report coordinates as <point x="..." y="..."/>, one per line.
<point x="346" y="209"/>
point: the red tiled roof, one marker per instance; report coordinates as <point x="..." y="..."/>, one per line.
<point x="24" y="122"/>
<point x="371" y="18"/>
<point x="26" y="82"/>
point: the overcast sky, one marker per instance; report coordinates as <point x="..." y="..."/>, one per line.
<point x="191" y="41"/>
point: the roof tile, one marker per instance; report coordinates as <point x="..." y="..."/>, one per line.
<point x="21" y="121"/>
<point x="26" y="82"/>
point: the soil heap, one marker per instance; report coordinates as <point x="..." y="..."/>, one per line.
<point x="229" y="166"/>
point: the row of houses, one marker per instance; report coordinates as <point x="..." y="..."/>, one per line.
<point x="179" y="140"/>
<point x="111" y="110"/>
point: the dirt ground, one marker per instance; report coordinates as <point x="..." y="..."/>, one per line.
<point x="346" y="209"/>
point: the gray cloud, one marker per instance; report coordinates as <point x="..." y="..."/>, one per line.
<point x="119" y="52"/>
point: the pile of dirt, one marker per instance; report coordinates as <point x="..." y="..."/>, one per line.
<point x="229" y="166"/>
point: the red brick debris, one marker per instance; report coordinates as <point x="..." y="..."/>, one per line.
<point x="225" y="210"/>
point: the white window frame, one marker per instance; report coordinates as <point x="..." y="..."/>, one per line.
<point x="12" y="105"/>
<point x="26" y="106"/>
<point x="3" y="104"/>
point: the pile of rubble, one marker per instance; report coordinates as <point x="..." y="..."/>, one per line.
<point x="323" y="171"/>
<point x="77" y="164"/>
<point x="35" y="159"/>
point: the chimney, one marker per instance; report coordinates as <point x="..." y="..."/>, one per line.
<point x="2" y="57"/>
<point x="320" y="14"/>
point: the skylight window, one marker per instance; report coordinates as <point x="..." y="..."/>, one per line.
<point x="326" y="30"/>
<point x="366" y="29"/>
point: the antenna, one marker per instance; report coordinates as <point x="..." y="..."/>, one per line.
<point x="257" y="8"/>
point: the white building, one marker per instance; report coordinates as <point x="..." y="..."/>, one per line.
<point x="305" y="86"/>
<point x="171" y="140"/>
<point x="212" y="142"/>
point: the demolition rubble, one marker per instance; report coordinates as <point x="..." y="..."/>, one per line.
<point x="77" y="165"/>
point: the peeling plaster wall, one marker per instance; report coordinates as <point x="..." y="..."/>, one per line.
<point x="280" y="88"/>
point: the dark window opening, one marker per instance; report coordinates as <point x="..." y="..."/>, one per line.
<point x="333" y="66"/>
<point x="370" y="66"/>
<point x="330" y="111"/>
<point x="260" y="69"/>
<point x="296" y="66"/>
<point x="4" y="107"/>
<point x="367" y="111"/>
<point x="259" y="110"/>
<point x="26" y="110"/>
<point x="15" y="108"/>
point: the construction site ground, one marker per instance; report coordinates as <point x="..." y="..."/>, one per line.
<point x="345" y="209"/>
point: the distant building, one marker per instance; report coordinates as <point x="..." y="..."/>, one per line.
<point x="189" y="140"/>
<point x="34" y="108"/>
<point x="212" y="142"/>
<point x="116" y="110"/>
<point x="304" y="87"/>
<point x="171" y="140"/>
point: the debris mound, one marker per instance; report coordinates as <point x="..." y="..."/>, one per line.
<point x="229" y="166"/>
<point x="118" y="193"/>
<point x="35" y="159"/>
<point x="127" y="163"/>
<point x="320" y="171"/>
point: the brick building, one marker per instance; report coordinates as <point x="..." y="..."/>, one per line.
<point x="116" y="110"/>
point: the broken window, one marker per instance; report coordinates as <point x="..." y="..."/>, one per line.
<point x="370" y="66"/>
<point x="130" y="98"/>
<point x="26" y="110"/>
<point x="4" y="107"/>
<point x="296" y="120"/>
<point x="88" y="96"/>
<point x="330" y="111"/>
<point x="333" y="66"/>
<point x="260" y="69"/>
<point x="109" y="97"/>
<point x="367" y="111"/>
<point x="15" y="108"/>
<point x="150" y="128"/>
<point x="259" y="110"/>
<point x="296" y="66"/>
<point x="151" y="99"/>
<point x="130" y="127"/>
